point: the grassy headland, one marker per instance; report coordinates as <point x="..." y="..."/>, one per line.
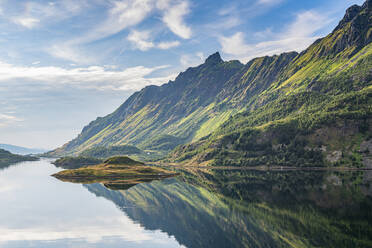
<point x="118" y="170"/>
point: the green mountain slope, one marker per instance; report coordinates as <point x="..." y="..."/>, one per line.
<point x="161" y="117"/>
<point x="237" y="114"/>
<point x="318" y="112"/>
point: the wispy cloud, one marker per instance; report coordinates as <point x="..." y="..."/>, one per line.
<point x="70" y="52"/>
<point x="142" y="40"/>
<point x="296" y="37"/>
<point x="96" y="77"/>
<point x="35" y="14"/>
<point x="121" y="15"/>
<point x="174" y="18"/>
<point x="168" y="44"/>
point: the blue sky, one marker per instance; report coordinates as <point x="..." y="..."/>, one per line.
<point x="65" y="62"/>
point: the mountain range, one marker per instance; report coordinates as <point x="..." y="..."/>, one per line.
<point x="21" y="150"/>
<point x="311" y="108"/>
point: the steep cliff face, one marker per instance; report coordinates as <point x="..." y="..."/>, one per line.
<point x="218" y="98"/>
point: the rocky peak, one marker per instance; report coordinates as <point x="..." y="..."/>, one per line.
<point x="214" y="59"/>
<point x="368" y="4"/>
<point x="352" y="12"/>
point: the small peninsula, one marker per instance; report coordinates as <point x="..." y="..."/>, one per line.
<point x="119" y="170"/>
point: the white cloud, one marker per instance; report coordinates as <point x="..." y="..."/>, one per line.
<point x="142" y="40"/>
<point x="70" y="53"/>
<point x="96" y="77"/>
<point x="27" y="22"/>
<point x="168" y="45"/>
<point x="297" y="36"/>
<point x="174" y="18"/>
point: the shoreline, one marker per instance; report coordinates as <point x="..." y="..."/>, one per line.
<point x="263" y="168"/>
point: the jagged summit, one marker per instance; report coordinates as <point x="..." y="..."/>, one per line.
<point x="351" y="12"/>
<point x="214" y="59"/>
<point x="355" y="14"/>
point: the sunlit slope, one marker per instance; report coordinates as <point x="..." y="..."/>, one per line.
<point x="317" y="113"/>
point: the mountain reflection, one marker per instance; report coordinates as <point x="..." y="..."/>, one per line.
<point x="229" y="208"/>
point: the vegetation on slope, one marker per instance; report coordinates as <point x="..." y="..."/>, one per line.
<point x="318" y="113"/>
<point x="76" y="162"/>
<point x="156" y="111"/>
<point x="301" y="130"/>
<point x="106" y="152"/>
<point x="119" y="170"/>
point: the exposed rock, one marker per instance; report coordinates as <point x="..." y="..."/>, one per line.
<point x="366" y="146"/>
<point x="334" y="156"/>
<point x="367" y="162"/>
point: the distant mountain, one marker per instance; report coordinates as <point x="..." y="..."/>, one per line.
<point x="308" y="109"/>
<point x="7" y="158"/>
<point x="21" y="150"/>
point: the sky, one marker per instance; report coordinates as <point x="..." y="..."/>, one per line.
<point x="63" y="63"/>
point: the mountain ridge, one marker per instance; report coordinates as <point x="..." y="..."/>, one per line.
<point x="201" y="101"/>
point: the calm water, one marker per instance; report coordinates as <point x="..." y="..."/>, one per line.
<point x="197" y="209"/>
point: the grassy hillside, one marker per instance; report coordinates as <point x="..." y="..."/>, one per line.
<point x="317" y="113"/>
<point x="106" y="152"/>
<point x="120" y="171"/>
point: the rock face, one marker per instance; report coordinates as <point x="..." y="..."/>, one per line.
<point x="334" y="156"/>
<point x="217" y="104"/>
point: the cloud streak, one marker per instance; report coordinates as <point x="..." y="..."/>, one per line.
<point x="174" y="19"/>
<point x="95" y="77"/>
<point x="125" y="14"/>
<point x="296" y="37"/>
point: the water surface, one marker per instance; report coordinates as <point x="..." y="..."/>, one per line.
<point x="200" y="208"/>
